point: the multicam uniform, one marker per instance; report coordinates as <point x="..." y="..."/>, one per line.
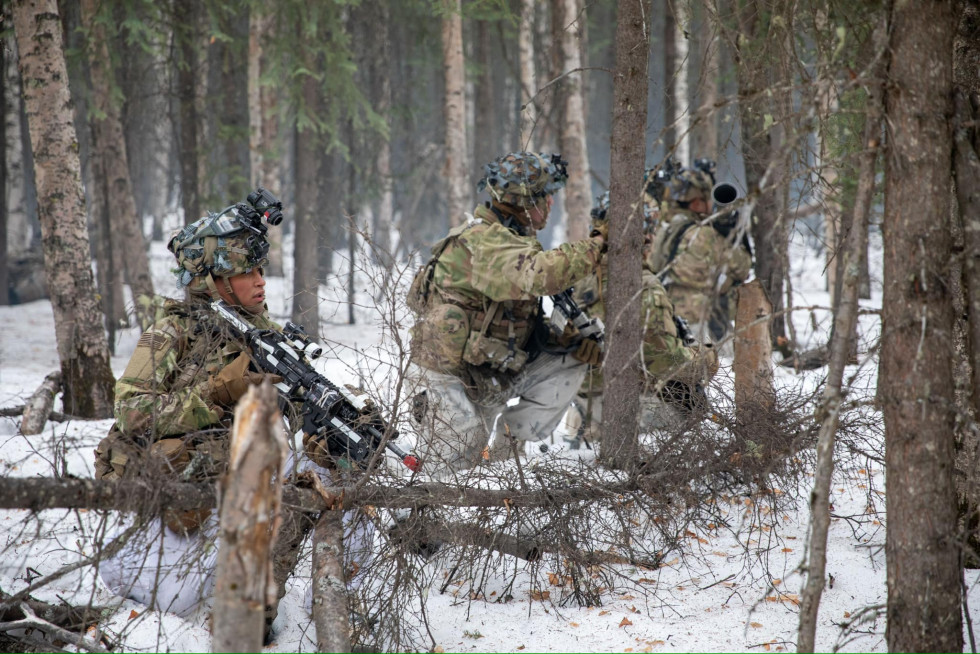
<point x="699" y="267"/>
<point x="168" y="424"/>
<point x="163" y="406"/>
<point x="665" y="356"/>
<point x="477" y="304"/>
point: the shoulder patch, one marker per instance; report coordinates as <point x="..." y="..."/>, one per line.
<point x="151" y="349"/>
<point x="153" y="341"/>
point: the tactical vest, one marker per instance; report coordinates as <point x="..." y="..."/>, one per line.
<point x="453" y="331"/>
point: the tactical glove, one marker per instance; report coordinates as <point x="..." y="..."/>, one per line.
<point x="600" y="228"/>
<point x="588" y="352"/>
<point x="233" y="381"/>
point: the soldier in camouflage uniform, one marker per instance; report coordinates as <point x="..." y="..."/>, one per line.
<point x="173" y="410"/>
<point x="696" y="262"/>
<point x="675" y="372"/>
<point x="476" y="342"/>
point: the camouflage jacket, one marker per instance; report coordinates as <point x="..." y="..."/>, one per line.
<point x="164" y="389"/>
<point x="664" y="352"/>
<point x="696" y="263"/>
<point x="478" y="298"/>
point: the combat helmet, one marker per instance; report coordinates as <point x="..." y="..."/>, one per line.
<point x="523" y="178"/>
<point x="224" y="244"/>
<point x="688" y="185"/>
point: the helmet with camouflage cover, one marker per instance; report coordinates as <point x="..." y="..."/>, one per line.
<point x="688" y="185"/>
<point x="218" y="245"/>
<point x="523" y="178"/>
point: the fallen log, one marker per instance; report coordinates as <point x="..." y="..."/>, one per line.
<point x="138" y="495"/>
<point x="38" y="408"/>
<point x="54" y="416"/>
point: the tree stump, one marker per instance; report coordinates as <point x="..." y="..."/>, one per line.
<point x="250" y="508"/>
<point x="754" y="395"/>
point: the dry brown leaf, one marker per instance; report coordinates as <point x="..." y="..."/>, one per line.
<point x="644" y="580"/>
<point x="603" y="612"/>
<point x="520" y="647"/>
<point x="540" y="594"/>
<point x="862" y="471"/>
<point x="657" y="642"/>
<point x="634" y="609"/>
<point x="776" y="582"/>
<point x="439" y="649"/>
<point x="755" y="625"/>
<point x="625" y="623"/>
<point x="574" y="624"/>
<point x="787" y="549"/>
<point x="133" y="614"/>
<point x="847" y="614"/>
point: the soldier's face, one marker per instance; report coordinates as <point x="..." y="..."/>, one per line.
<point x="698" y="205"/>
<point x="249" y="288"/>
<point x="538" y="214"/>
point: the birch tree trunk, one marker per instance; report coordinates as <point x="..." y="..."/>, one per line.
<point x="110" y="147"/>
<point x="82" y="346"/>
<point x="250" y="504"/>
<point x="841" y="346"/>
<point x="681" y="100"/>
<point x="622" y="380"/>
<point x="263" y="100"/>
<point x="455" y="173"/>
<point x="578" y="191"/>
<point x="528" y="78"/>
<point x="385" y="214"/>
<point x="915" y="374"/>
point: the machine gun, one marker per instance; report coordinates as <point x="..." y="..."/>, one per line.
<point x="350" y="425"/>
<point x="567" y="310"/>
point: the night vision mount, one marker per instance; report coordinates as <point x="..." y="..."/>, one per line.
<point x="259" y="204"/>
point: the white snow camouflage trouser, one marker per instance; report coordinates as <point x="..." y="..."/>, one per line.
<point x="454" y="429"/>
<point x="170" y="572"/>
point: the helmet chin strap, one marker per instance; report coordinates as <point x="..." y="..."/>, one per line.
<point x="209" y="280"/>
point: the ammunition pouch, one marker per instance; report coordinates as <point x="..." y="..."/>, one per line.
<point x="498" y="354"/>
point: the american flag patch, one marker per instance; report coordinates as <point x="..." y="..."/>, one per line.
<point x="153" y="341"/>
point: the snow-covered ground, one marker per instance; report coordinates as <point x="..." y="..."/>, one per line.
<point x="726" y="590"/>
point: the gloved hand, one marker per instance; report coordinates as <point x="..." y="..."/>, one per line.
<point x="588" y="352"/>
<point x="233" y="381"/>
<point x="707" y="359"/>
<point x="600" y="228"/>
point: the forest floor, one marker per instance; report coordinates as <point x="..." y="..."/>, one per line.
<point x="725" y="590"/>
